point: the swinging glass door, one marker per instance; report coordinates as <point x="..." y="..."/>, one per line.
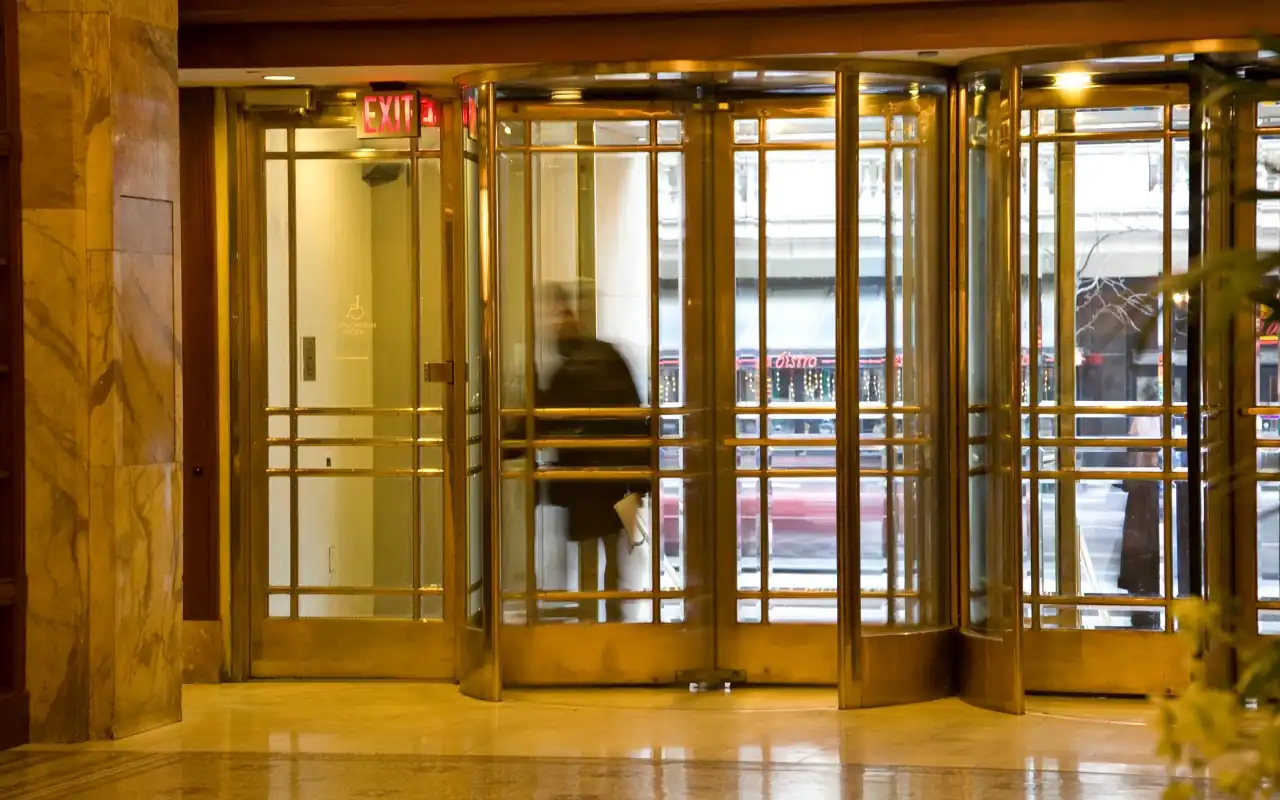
<point x="349" y="391"/>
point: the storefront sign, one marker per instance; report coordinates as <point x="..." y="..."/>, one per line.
<point x="792" y="361"/>
<point x="392" y="115"/>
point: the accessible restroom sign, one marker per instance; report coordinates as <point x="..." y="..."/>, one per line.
<point x="395" y="114"/>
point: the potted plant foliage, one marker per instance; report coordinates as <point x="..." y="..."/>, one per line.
<point x="1229" y="734"/>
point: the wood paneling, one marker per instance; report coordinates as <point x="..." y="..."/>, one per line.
<point x="935" y="26"/>
<point x="228" y="11"/>
<point x="199" y="355"/>
<point x="14" y="705"/>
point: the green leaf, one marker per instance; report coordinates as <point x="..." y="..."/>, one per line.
<point x="1260" y="679"/>
<point x="1182" y="790"/>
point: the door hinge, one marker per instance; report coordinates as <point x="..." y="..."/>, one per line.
<point x="438" y="372"/>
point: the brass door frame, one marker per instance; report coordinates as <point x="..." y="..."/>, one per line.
<point x="1084" y="660"/>
<point x="991" y="646"/>
<point x="1077" y="660"/>
<point x="767" y="652"/>
<point x="327" y="647"/>
<point x="1236" y="448"/>
<point x="598" y="653"/>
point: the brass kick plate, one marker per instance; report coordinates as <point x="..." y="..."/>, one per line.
<point x="438" y="372"/>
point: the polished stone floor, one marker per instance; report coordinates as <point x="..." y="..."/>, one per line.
<point x="321" y="741"/>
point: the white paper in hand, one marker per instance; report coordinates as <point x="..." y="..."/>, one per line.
<point x="633" y="522"/>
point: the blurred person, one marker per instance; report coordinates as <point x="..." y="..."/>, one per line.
<point x="592" y="374"/>
<point x="1140" y="540"/>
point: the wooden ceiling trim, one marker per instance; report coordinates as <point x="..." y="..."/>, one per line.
<point x="234" y="11"/>
<point x="943" y="26"/>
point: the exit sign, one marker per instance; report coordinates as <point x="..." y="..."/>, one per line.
<point x="397" y="114"/>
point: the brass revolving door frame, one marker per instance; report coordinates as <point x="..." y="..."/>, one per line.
<point x="1027" y="115"/>
<point x="866" y="666"/>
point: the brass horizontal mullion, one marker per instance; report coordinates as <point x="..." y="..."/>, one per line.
<point x="1103" y="136"/>
<point x="584" y="443"/>
<point x="596" y="149"/>
<point x="1108" y="409"/>
<point x="1086" y="443"/>
<point x="386" y="441"/>
<point x="353" y="473"/>
<point x="614" y="595"/>
<point x="1102" y="600"/>
<point x="357" y="591"/>
<point x="351" y="411"/>
<point x="784" y="473"/>
<point x="787" y="146"/>
<point x="345" y="155"/>
<point x="1106" y="474"/>
<point x="566" y="474"/>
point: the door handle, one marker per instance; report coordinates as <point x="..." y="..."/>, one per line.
<point x="438" y="372"/>
<point x="197" y="471"/>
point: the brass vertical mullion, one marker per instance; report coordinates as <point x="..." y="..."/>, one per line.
<point x="655" y="379"/>
<point x="585" y="286"/>
<point x="483" y="676"/>
<point x="1241" y="426"/>
<point x="765" y="394"/>
<point x="457" y="434"/>
<point x="531" y="488"/>
<point x="890" y="522"/>
<point x="848" y="401"/>
<point x="1166" y="379"/>
<point x="1033" y="364"/>
<point x="585" y="216"/>
<point x="415" y="280"/>
<point x="1011" y="452"/>
<point x="713" y="369"/>
<point x="1064" y="355"/>
<point x="909" y="375"/>
<point x="294" y="569"/>
<point x="959" y="460"/>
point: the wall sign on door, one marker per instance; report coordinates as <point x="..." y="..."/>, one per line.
<point x="398" y="114"/>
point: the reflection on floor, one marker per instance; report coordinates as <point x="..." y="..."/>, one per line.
<point x="318" y="741"/>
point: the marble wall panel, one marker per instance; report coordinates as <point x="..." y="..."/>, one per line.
<point x="103" y="594"/>
<point x="55" y="313"/>
<point x="144" y="75"/>
<point x="100" y="175"/>
<point x="52" y="169"/>
<point x="145" y="317"/>
<point x="148" y="614"/>
<point x="98" y="127"/>
<point x="104" y="370"/>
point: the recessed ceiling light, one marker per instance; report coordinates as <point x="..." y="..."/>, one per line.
<point x="278" y="78"/>
<point x="1072" y="80"/>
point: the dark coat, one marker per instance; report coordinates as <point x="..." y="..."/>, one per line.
<point x="593" y="375"/>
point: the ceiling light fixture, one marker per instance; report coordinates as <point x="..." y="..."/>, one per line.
<point x="280" y="78"/>
<point x="1072" y="80"/>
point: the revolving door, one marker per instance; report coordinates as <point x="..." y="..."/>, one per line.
<point x="764" y="250"/>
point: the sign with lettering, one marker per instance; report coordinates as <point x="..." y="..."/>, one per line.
<point x="788" y="360"/>
<point x="389" y="115"/>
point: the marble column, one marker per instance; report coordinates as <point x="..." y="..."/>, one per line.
<point x="99" y="111"/>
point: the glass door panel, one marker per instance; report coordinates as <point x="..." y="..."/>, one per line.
<point x="473" y="235"/>
<point x="779" y="606"/>
<point x="596" y="332"/>
<point x="350" y="542"/>
<point x="1104" y="214"/>
<point x="991" y="670"/>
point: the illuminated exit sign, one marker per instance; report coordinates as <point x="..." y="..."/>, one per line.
<point x="394" y="115"/>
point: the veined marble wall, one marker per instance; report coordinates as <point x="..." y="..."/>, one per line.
<point x="102" y="316"/>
